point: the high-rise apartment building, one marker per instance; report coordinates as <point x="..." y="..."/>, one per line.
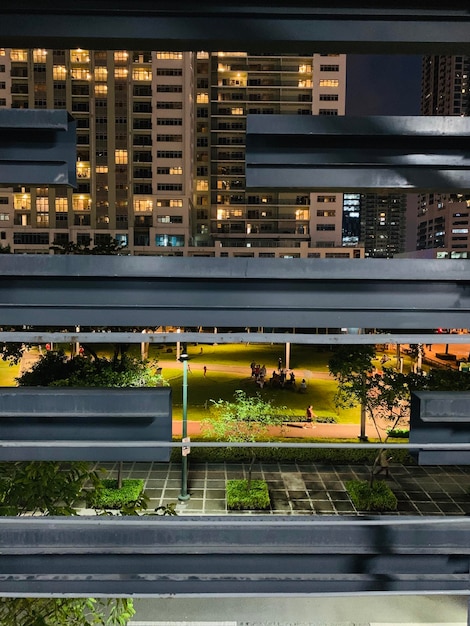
<point x="161" y="152"/>
<point x="443" y="219"/>
<point x="383" y="219"/>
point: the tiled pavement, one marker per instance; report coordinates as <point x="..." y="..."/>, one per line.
<point x="303" y="489"/>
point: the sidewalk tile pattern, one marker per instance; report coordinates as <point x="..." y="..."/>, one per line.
<point x="303" y="488"/>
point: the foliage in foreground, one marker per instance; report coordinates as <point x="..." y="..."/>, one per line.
<point x="367" y="497"/>
<point x="46" y="487"/>
<point x="65" y="611"/>
<point x="242" y="497"/>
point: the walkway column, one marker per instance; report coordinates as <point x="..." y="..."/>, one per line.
<point x="288" y="355"/>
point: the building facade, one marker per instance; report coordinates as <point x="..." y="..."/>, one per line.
<point x="443" y="219"/>
<point x="383" y="224"/>
<point x="161" y="152"/>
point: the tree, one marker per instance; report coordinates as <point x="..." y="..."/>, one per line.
<point x="65" y="611"/>
<point x="352" y="367"/>
<point x="247" y="418"/>
<point x="107" y="245"/>
<point x="54" y="368"/>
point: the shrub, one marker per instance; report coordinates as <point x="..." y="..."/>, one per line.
<point x="110" y="497"/>
<point x="378" y="497"/>
<point x="396" y="433"/>
<point x="240" y="498"/>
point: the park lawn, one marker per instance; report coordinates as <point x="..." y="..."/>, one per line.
<point x="8" y="373"/>
<point x="301" y="356"/>
<point x="221" y="385"/>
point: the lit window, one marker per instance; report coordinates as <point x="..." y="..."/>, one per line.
<point x="237" y="111"/>
<point x="326" y="198"/>
<point x="101" y="90"/>
<point x="120" y="72"/>
<point x="61" y="205"/>
<point x="83" y="170"/>
<point x="176" y="203"/>
<point x="2" y="52"/>
<point x="19" y="55"/>
<point x="202" y="98"/>
<point x="101" y="73"/>
<point x="141" y="73"/>
<point x="329" y="82"/>
<point x="304" y="69"/>
<point x="120" y="157"/>
<point x="202" y="55"/>
<point x="79" y="73"/>
<point x="143" y="206"/>
<point x="81" y="202"/>
<point x="120" y="55"/>
<point x="22" y="202"/>
<point x="202" y="185"/>
<point x="169" y="240"/>
<point x="39" y="56"/>
<point x="305" y="83"/>
<point x="42" y="204"/>
<point x="170" y="55"/>
<point x="101" y="169"/>
<point x="79" y="56"/>
<point x="59" y="72"/>
<point x="176" y="170"/>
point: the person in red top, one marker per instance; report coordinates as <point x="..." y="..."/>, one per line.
<point x="310" y="415"/>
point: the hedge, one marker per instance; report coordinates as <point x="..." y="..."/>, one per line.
<point x="110" y="497"/>
<point x="333" y="456"/>
<point x="239" y="498"/>
<point x="379" y="497"/>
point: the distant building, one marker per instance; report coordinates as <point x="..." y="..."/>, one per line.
<point x="383" y="224"/>
<point x="161" y="152"/>
<point x="443" y="219"/>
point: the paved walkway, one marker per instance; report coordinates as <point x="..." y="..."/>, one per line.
<point x="304" y="488"/>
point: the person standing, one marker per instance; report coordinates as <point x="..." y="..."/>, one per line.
<point x="279" y="363"/>
<point x="310" y="415"/>
<point x="383" y="463"/>
<point x="205" y="370"/>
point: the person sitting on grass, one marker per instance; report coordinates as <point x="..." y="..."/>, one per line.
<point x="303" y="386"/>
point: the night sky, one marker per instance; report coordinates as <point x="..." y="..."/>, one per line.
<point x="383" y="85"/>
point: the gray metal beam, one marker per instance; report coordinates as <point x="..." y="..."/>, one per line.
<point x="70" y="418"/>
<point x="232" y="555"/>
<point x="232" y="293"/>
<point x="358" y="153"/>
<point x="326" y="27"/>
<point x="440" y="416"/>
<point x="37" y="147"/>
<point x="329" y="338"/>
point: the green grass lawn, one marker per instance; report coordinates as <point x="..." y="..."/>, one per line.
<point x="220" y="385"/>
<point x="301" y="357"/>
<point x="8" y="373"/>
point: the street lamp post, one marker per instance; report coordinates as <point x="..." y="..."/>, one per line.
<point x="184" y="495"/>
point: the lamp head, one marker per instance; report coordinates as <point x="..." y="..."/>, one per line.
<point x="184" y="352"/>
